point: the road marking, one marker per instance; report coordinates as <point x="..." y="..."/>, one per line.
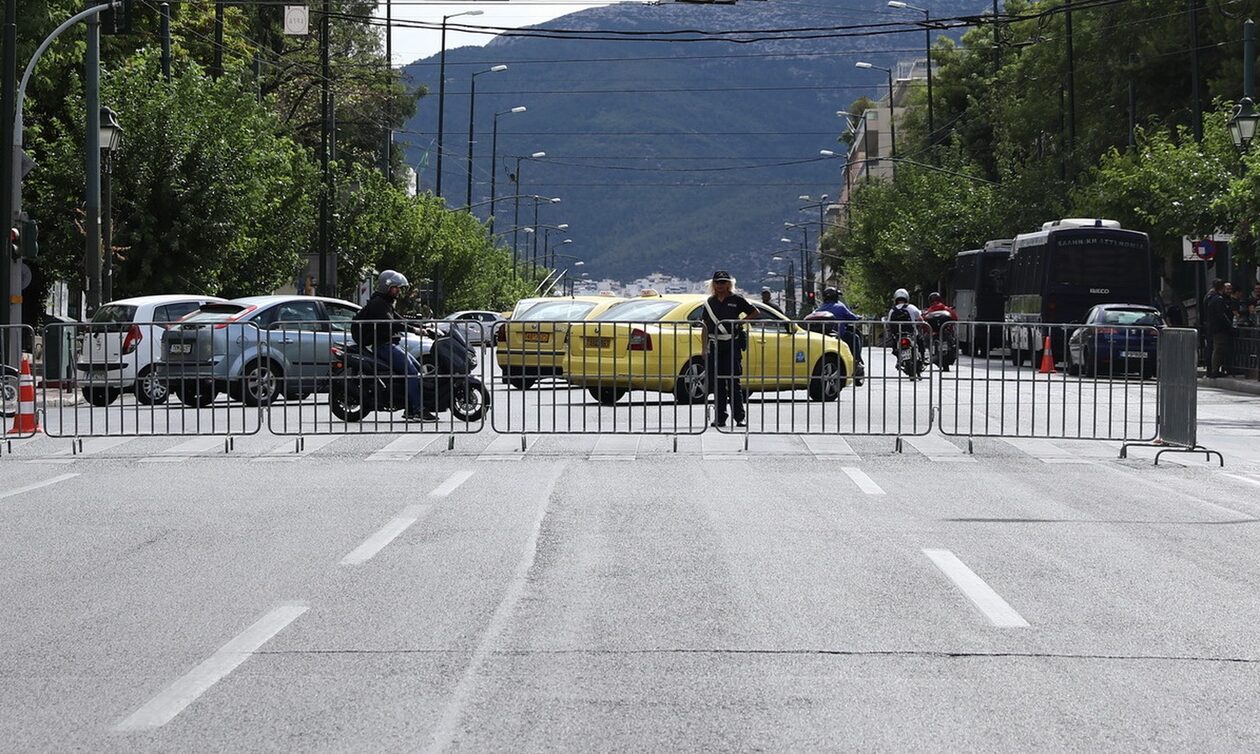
<point x="162" y="708"/>
<point x="454" y="481"/>
<point x="863" y="481"/>
<point x="615" y="448"/>
<point x="404" y="448"/>
<point x="181" y="452"/>
<point x="310" y="444"/>
<point x="1044" y="450"/>
<point x="829" y="448"/>
<point x="448" y="726"/>
<point x="723" y="446"/>
<point x="386" y="534"/>
<point x="503" y="448"/>
<point x="981" y="594"/>
<point x="37" y="485"/>
<point x="939" y="449"/>
<point x="1248" y="480"/>
<point x="94" y="445"/>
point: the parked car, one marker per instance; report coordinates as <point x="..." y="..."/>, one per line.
<point x="1116" y="339"/>
<point x="531" y="345"/>
<point x="258" y="348"/>
<point x="654" y="344"/>
<point x="117" y="350"/>
<point x="477" y="326"/>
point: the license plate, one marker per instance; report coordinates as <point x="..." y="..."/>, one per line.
<point x="1133" y="354"/>
<point x="181" y="348"/>
<point x="536" y="337"/>
<point x="592" y="342"/>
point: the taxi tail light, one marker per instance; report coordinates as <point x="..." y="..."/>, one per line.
<point x="500" y="334"/>
<point x="640" y="340"/>
<point x="132" y="341"/>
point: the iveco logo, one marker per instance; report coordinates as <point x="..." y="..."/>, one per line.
<point x="1102" y="291"/>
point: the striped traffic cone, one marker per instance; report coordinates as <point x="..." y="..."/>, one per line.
<point x="1047" y="359"/>
<point x="25" y="422"/>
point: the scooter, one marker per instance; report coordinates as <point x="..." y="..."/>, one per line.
<point x="944" y="339"/>
<point x="907" y="351"/>
<point x="361" y="384"/>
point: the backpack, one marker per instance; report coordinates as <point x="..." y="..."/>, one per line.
<point x="899" y="314"/>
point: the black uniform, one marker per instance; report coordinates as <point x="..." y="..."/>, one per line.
<point x="726" y="362"/>
<point x="370" y="329"/>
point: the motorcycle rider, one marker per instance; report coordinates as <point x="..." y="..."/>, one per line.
<point x="843" y="314"/>
<point x="374" y="328"/>
<point x="936" y="303"/>
<point x="904" y="311"/>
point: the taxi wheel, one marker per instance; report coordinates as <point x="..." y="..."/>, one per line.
<point x="827" y="380"/>
<point x="607" y="396"/>
<point x="520" y="383"/>
<point x="692" y="385"/>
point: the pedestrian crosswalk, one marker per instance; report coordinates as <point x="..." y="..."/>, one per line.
<point x="491" y="447"/>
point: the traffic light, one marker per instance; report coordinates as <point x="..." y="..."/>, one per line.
<point x="810" y="296"/>
<point x="117" y="20"/>
<point x="14" y="237"/>
<point x="24" y="240"/>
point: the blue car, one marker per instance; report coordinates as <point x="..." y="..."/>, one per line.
<point x="1116" y="340"/>
<point x="258" y="348"/>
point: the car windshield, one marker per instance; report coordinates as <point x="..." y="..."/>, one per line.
<point x="215" y="313"/>
<point x="1145" y="317"/>
<point x="115" y="314"/>
<point x="558" y="310"/>
<point x="647" y="310"/>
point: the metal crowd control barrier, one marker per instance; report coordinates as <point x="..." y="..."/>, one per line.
<point x="321" y="380"/>
<point x="1178" y="397"/>
<point x="14" y="340"/>
<point x="1094" y="383"/>
<point x="600" y="377"/>
<point x="155" y="379"/>
<point x="803" y="378"/>
<point x="1244" y="353"/>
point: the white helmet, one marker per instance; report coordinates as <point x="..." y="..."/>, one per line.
<point x="390" y="278"/>
<point x="901" y="294"/>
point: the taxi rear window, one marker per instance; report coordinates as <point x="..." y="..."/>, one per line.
<point x="637" y="311"/>
<point x="557" y="310"/>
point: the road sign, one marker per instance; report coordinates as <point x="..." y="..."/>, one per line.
<point x="296" y="20"/>
<point x="1201" y="249"/>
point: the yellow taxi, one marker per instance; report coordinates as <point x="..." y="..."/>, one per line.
<point x="530" y="345"/>
<point x="654" y="344"/>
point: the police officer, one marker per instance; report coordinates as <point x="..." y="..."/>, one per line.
<point x="723" y="341"/>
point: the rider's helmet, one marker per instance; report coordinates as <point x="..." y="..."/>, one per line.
<point x="390" y="278"/>
<point x="831" y="295"/>
<point x="934" y="297"/>
<point x="901" y="296"/>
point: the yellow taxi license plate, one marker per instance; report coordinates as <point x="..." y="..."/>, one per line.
<point x="592" y="342"/>
<point x="536" y="337"/>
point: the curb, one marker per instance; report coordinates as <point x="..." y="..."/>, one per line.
<point x="1231" y="384"/>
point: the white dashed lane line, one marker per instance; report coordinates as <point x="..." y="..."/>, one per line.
<point x="862" y="480"/>
<point x="989" y="602"/>
<point x="37" y="485"/>
<point x="403" y="521"/>
<point x="404" y="448"/>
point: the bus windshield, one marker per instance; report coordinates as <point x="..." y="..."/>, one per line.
<point x="1093" y="263"/>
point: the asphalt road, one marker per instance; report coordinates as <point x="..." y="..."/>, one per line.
<point x="383" y="592"/>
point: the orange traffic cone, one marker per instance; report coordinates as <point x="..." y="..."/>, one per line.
<point x="25" y="422"/>
<point x="1047" y="358"/>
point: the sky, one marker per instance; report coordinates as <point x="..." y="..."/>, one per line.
<point x="413" y="44"/>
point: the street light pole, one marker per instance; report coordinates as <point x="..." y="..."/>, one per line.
<point x="437" y="188"/>
<point x="927" y="35"/>
<point x="111" y="140"/>
<point x="494" y="160"/>
<point x="92" y="222"/>
<point x="892" y="114"/>
<point x="516" y="211"/>
<point x="472" y="108"/>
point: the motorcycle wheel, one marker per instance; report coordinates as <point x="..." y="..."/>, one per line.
<point x="470" y="404"/>
<point x="346" y="403"/>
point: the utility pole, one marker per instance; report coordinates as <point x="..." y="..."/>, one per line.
<point x="92" y="222"/>
<point x="389" y="80"/>
<point x="217" y="69"/>
<point x="325" y="137"/>
<point x="997" y="50"/>
<point x="8" y="173"/>
<point x="166" y="42"/>
<point x="1195" y="98"/>
<point x="1071" y="78"/>
<point x="441" y="109"/>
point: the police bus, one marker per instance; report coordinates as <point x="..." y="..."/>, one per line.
<point x="978" y="295"/>
<point x="1058" y="273"/>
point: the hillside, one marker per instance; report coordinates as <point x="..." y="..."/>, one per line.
<point x="667" y="155"/>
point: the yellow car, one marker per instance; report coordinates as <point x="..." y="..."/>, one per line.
<point x="530" y="345"/>
<point x="653" y="344"/>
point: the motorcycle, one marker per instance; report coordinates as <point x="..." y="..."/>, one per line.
<point x="362" y="384"/>
<point x="944" y="339"/>
<point x="903" y="337"/>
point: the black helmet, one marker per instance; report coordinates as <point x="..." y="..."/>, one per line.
<point x="831" y="294"/>
<point x="933" y="297"/>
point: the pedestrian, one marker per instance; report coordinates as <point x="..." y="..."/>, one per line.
<point x="1218" y="326"/>
<point x="724" y="344"/>
<point x="768" y="301"/>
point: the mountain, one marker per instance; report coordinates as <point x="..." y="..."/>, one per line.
<point x="677" y="156"/>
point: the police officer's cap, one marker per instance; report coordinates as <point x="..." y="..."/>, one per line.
<point x="721" y="276"/>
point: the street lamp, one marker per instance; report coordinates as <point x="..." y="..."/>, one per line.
<point x="494" y="164"/>
<point x="1242" y="124"/>
<point x="562" y="228"/>
<point x="111" y="141"/>
<point x="927" y="35"/>
<point x="472" y="105"/>
<point x="442" y="93"/>
<point x="892" y="115"/>
<point x="539" y="200"/>
<point x="516" y="210"/>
